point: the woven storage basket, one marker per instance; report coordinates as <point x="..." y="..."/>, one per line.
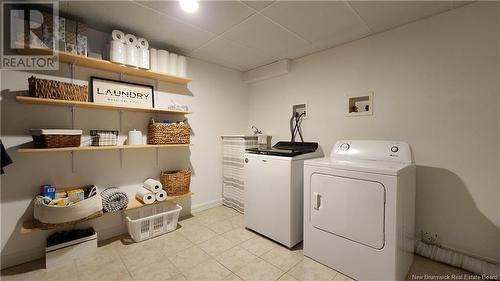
<point x="51" y="89"/>
<point x="176" y="182"/>
<point x="161" y="133"/>
<point x="56" y="138"/>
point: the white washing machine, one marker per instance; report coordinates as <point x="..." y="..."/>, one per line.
<point x="359" y="209"/>
<point x="274" y="193"/>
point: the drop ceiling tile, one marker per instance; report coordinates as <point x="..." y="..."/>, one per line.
<point x="212" y="16"/>
<point x="384" y="15"/>
<point x="272" y="40"/>
<point x="258" y="5"/>
<point x="140" y="21"/>
<point x="231" y="54"/>
<point x="323" y="23"/>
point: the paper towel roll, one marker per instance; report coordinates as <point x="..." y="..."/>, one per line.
<point x="130" y="40"/>
<point x="145" y="196"/>
<point x="161" y="196"/>
<point x="152" y="185"/>
<point x="181" y="66"/>
<point x="131" y="55"/>
<point x="117" y="52"/>
<point x="172" y="63"/>
<point x="118" y="35"/>
<point x="134" y="137"/>
<point x="142" y="43"/>
<point x="143" y="58"/>
<point x="163" y="58"/>
<point x="153" y="58"/>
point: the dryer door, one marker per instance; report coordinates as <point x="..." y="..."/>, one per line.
<point x="350" y="208"/>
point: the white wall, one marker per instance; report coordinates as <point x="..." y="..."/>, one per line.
<point x="435" y="85"/>
<point x="216" y="96"/>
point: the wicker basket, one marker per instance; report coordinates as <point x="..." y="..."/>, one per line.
<point x="51" y="89"/>
<point x="56" y="138"/>
<point x="174" y="133"/>
<point x="176" y="182"/>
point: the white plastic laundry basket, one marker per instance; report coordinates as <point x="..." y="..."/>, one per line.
<point x="151" y="221"/>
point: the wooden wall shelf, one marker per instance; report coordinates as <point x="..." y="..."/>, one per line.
<point x="93" y="148"/>
<point x="68" y="103"/>
<point x="30" y="226"/>
<point x="109" y="66"/>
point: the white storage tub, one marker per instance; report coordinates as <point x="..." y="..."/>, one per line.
<point x="89" y="207"/>
<point x="152" y="221"/>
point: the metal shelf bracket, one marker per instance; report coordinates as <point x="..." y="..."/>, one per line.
<point x="72" y="162"/>
<point x="157" y="157"/>
<point x="72" y="110"/>
<point x="121" y="158"/>
<point x="72" y="70"/>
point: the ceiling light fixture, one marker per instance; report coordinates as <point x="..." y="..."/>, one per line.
<point x="189" y="6"/>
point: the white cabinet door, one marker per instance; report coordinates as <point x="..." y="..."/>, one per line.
<point x="267" y="196"/>
<point x="350" y="208"/>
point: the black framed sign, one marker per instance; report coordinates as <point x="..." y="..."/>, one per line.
<point x="114" y="92"/>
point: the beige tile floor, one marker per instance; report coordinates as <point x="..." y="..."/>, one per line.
<point x="211" y="245"/>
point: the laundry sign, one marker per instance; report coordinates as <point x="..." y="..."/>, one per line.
<point x="107" y="91"/>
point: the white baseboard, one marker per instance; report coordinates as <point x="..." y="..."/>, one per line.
<point x="206" y="205"/>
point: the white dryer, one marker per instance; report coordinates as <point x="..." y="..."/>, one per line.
<point x="359" y="209"/>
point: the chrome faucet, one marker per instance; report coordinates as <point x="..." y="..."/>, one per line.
<point x="256" y="130"/>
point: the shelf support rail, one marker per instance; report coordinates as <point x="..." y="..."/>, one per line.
<point x="72" y="110"/>
<point x="157" y="158"/>
<point x="72" y="162"/>
<point x="72" y="71"/>
<point x="121" y="158"/>
<point x="120" y="121"/>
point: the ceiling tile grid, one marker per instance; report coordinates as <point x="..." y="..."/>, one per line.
<point x="213" y="16"/>
<point x="260" y="33"/>
<point x="246" y="34"/>
<point x="323" y="23"/>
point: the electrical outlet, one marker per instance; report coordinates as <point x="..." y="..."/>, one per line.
<point x="298" y="109"/>
<point x="430" y="238"/>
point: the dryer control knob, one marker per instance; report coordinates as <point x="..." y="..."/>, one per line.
<point x="345" y="146"/>
<point x="394" y="149"/>
<point x="246" y="160"/>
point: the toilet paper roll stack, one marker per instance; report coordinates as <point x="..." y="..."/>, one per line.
<point x="162" y="62"/>
<point x="143" y="53"/>
<point x="151" y="191"/>
<point x="181" y="66"/>
<point x="117" y="52"/>
<point x="131" y="50"/>
<point x="166" y="62"/>
<point x="172" y="63"/>
<point x="153" y="58"/>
